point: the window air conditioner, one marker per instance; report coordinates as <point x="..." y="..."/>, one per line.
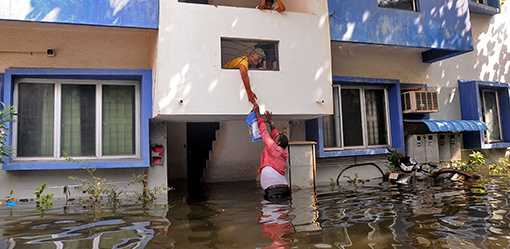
<point x="420" y="102"/>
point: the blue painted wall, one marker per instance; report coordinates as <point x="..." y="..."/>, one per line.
<point x="437" y="25"/>
<point x="118" y="13"/>
<point x="471" y="109"/>
<point x="143" y="75"/>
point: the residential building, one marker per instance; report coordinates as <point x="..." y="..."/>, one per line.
<point x="140" y="87"/>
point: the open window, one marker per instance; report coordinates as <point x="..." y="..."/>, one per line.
<point x="235" y="51"/>
<point x="411" y="5"/>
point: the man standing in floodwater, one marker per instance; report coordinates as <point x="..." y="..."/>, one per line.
<point x="243" y="63"/>
<point x="273" y="160"/>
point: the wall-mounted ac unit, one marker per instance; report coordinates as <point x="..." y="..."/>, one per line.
<point x="420" y="102"/>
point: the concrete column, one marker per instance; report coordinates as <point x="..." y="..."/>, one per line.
<point x="302" y="165"/>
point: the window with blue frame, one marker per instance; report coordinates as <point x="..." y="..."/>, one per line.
<point x="411" y="5"/>
<point x="360" y="119"/>
<point x="491" y="115"/>
<point x="488" y="102"/>
<point x="80" y="119"/>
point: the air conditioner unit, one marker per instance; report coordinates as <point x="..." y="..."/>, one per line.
<point x="420" y="102"/>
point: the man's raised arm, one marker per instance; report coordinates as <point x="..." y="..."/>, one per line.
<point x="246" y="82"/>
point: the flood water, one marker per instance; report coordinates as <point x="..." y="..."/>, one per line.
<point x="426" y="215"/>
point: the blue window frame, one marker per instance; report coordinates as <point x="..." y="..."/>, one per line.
<point x="134" y="82"/>
<point x="376" y="133"/>
<point x="488" y="102"/>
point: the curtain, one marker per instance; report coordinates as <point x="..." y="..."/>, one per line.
<point x="375" y="109"/>
<point x="331" y="124"/>
<point x="118" y="120"/>
<point x="491" y="115"/>
<point x="78" y="126"/>
<point x="35" y="120"/>
<point x="352" y="117"/>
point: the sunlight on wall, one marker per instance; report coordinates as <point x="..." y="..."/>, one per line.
<point x="52" y="16"/>
<point x="493" y="48"/>
<point x="118" y="5"/>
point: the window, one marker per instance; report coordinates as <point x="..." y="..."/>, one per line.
<point x="491" y="116"/>
<point x="58" y="119"/>
<point x="360" y="119"/>
<point x="411" y="5"/>
<point x="235" y="51"/>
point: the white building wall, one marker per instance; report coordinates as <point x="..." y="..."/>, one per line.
<point x="189" y="60"/>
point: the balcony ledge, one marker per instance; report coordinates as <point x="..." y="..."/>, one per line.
<point x="483" y="9"/>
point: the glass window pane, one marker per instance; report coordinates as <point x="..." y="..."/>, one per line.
<point x="491" y="115"/>
<point x="78" y="126"/>
<point x="351" y="117"/>
<point x="331" y="124"/>
<point x="399" y="4"/>
<point x="375" y="109"/>
<point x="118" y="120"/>
<point x="35" y="120"/>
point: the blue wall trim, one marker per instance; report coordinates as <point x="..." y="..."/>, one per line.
<point x="54" y="165"/>
<point x="471" y="109"/>
<point x="131" y="13"/>
<point x="438" y="25"/>
<point x="143" y="75"/>
<point x="315" y="132"/>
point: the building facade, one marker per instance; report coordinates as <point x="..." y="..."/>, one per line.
<point x="140" y="87"/>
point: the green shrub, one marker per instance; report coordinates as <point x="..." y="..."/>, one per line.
<point x="43" y="201"/>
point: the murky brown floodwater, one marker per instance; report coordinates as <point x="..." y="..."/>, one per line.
<point x="423" y="216"/>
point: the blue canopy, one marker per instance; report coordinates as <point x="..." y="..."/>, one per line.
<point x="455" y="126"/>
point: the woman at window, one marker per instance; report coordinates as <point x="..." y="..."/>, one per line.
<point x="277" y="5"/>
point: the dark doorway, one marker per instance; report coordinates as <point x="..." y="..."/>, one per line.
<point x="200" y="138"/>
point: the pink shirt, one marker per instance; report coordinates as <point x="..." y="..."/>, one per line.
<point x="273" y="155"/>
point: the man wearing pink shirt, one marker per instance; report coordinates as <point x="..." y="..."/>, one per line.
<point x="273" y="160"/>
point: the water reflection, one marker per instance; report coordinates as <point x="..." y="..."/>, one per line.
<point x="426" y="215"/>
<point x="276" y="223"/>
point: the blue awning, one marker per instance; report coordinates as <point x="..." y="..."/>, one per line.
<point x="436" y="126"/>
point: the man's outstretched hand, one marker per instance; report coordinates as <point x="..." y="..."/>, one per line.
<point x="252" y="98"/>
<point x="256" y="109"/>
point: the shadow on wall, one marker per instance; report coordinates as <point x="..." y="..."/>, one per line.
<point x="440" y="24"/>
<point x="490" y="60"/>
<point x="139" y="13"/>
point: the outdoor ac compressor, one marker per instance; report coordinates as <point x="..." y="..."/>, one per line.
<point x="423" y="148"/>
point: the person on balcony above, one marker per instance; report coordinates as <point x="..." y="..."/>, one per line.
<point x="273" y="160"/>
<point x="243" y="63"/>
<point x="277" y="5"/>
